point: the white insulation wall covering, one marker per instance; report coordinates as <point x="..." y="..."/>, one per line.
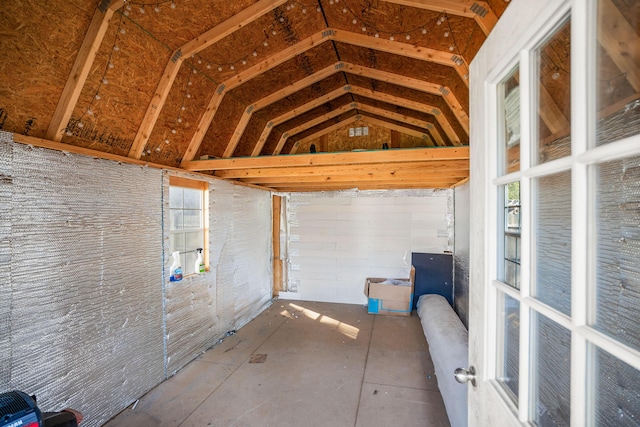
<point x="85" y="280"/>
<point x="461" y="252"/>
<point x="88" y="317"/>
<point x="337" y="239"/>
<point x="238" y="286"/>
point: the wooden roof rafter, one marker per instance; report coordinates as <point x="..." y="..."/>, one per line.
<point x="480" y="11"/>
<point x="81" y="67"/>
<point x="203" y="41"/>
<point x="404" y="49"/>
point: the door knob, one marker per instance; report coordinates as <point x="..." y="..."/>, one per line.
<point x="466" y="375"/>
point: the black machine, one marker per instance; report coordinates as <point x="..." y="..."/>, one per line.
<point x="18" y="409"/>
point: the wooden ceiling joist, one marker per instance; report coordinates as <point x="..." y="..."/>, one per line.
<point x="433" y="166"/>
<point x="480" y="11"/>
<point x="404" y="49"/>
<point x="406" y="155"/>
<point x="368" y="177"/>
<point x="375" y="185"/>
<point x="80" y="70"/>
<point x="236" y="22"/>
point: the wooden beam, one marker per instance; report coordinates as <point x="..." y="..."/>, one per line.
<point x="311" y="123"/>
<point x="324" y="131"/>
<point x="404" y="49"/>
<point x="414" y="105"/>
<point x="367" y="177"/>
<point x="406" y="119"/>
<point x="320" y="159"/>
<point x="402" y="129"/>
<point x="620" y="40"/>
<point x="416" y="84"/>
<point x="294" y="113"/>
<point x="480" y="11"/>
<point x="270" y="99"/>
<point x="80" y="70"/>
<point x="376" y="185"/>
<point x="208" y="38"/>
<point x="433" y="166"/>
<point x="275" y="237"/>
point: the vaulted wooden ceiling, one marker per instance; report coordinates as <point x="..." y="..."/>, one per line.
<point x="246" y="89"/>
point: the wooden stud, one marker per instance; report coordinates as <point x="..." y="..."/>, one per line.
<point x="275" y="237"/>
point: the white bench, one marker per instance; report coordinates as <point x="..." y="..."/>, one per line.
<point x="448" y="342"/>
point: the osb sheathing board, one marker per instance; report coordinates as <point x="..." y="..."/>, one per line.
<point x="38" y="48"/>
<point x="289" y="144"/>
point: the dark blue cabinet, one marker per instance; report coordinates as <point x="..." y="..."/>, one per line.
<point x="434" y="275"/>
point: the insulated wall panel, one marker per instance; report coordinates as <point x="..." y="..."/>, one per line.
<point x="338" y="239"/>
<point x="201" y="309"/>
<point x="86" y="277"/>
<point x="6" y="158"/>
<point x="462" y="211"/>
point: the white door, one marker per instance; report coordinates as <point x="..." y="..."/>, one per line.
<point x="555" y="233"/>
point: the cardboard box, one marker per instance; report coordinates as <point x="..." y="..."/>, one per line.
<point x="389" y="299"/>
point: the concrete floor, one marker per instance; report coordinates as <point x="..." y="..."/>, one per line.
<point x="303" y="364"/>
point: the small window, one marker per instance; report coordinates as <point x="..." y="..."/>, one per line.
<point x="188" y="217"/>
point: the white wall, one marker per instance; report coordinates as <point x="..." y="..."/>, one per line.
<point x="337" y="239"/>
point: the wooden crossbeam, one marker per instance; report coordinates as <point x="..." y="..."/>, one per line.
<point x="367" y="177"/>
<point x="433" y="165"/>
<point x="320" y="159"/>
<point x="480" y="11"/>
<point x="80" y="70"/>
<point x="376" y="185"/>
<point x="404" y="49"/>
<point x="236" y="22"/>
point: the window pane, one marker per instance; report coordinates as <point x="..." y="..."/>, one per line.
<point x="175" y="197"/>
<point x="618" y="79"/>
<point x="509" y="346"/>
<point x="194" y="240"/>
<point x="552" y="234"/>
<point x="509" y="272"/>
<point x="176" y="242"/>
<point x="510" y="111"/>
<point x="554" y="96"/>
<point x="617" y="392"/>
<point x="176" y="216"/>
<point x="189" y="261"/>
<point x="192" y="198"/>
<point x="552" y="373"/>
<point x="618" y="249"/>
<point x="192" y="219"/>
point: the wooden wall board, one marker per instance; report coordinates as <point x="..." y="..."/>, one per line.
<point x="39" y="42"/>
<point x="498" y="6"/>
<point x="330" y="122"/>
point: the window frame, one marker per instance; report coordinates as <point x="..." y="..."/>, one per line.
<point x="203" y="186"/>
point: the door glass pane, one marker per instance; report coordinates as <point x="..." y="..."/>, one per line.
<point x="552" y="373"/>
<point x="554" y="96"/>
<point x="617" y="392"/>
<point x="509" y="98"/>
<point x="553" y="240"/>
<point x="618" y="68"/>
<point x="617" y="216"/>
<point x="509" y="333"/>
<point x="509" y="272"/>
